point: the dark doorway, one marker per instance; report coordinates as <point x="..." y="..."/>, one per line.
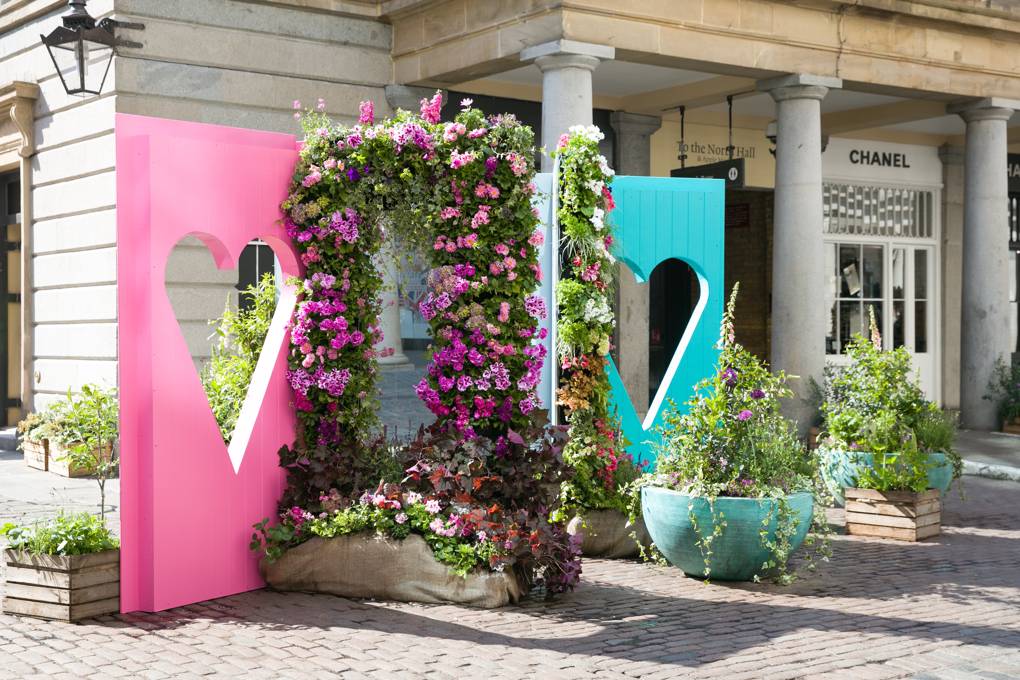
<point x="10" y="296"/>
<point x="673" y="294"/>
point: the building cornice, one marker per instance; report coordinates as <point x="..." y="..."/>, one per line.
<point x="17" y="101"/>
<point x="21" y="12"/>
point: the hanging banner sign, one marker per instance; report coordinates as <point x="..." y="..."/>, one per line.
<point x="1013" y="172"/>
<point x="730" y="170"/>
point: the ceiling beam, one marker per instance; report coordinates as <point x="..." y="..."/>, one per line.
<point x="692" y="95"/>
<point x="882" y="115"/>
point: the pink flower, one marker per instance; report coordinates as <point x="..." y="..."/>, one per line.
<point x="320" y="105"/>
<point x="466" y="103"/>
<point x="459" y="160"/>
<point x="564" y="140"/>
<point x="431" y="109"/>
<point x="432" y="506"/>
<point x="449" y="213"/>
<point x="401" y="518"/>
<point x="297" y="104"/>
<point x="504" y="312"/>
<point x="744" y="415"/>
<point x="312" y="178"/>
<point x="366" y="111"/>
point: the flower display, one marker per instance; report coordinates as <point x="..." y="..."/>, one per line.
<point x="585" y="326"/>
<point x="461" y="192"/>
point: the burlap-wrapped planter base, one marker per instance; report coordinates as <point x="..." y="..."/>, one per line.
<point x="606" y="534"/>
<point x="366" y="565"/>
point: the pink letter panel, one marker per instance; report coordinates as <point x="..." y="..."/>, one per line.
<point x="188" y="502"/>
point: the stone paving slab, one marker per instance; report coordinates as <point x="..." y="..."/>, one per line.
<point x="947" y="608"/>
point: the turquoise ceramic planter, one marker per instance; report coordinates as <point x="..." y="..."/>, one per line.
<point x="737" y="553"/>
<point x="841" y="469"/>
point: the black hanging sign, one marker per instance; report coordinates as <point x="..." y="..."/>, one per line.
<point x="1013" y="172"/>
<point x="732" y="171"/>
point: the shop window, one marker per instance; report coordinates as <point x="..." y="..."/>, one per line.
<point x="877" y="211"/>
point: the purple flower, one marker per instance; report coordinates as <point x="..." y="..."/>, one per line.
<point x="744" y="415"/>
<point x="730" y="377"/>
<point x="757" y="394"/>
<point x="352" y="174"/>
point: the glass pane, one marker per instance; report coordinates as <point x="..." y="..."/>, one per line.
<point x="920" y="274"/>
<point x="850" y="271"/>
<point x="850" y="322"/>
<point x="920" y="327"/>
<point x="830" y="330"/>
<point x="899" y="275"/>
<point x="873" y="271"/>
<point x="866" y="322"/>
<point x="898" y="324"/>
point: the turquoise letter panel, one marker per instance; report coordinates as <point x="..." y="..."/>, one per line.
<point x="658" y="218"/>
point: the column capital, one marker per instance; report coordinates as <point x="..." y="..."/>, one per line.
<point x="567" y="54"/>
<point x="951" y="154"/>
<point x="990" y="108"/>
<point x="799" y="86"/>
<point x="408" y="97"/>
<point x="625" y="123"/>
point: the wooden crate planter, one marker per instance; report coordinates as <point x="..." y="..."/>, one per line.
<point x="37" y="454"/>
<point x="63" y="588"/>
<point x="901" y="515"/>
<point x="65" y="468"/>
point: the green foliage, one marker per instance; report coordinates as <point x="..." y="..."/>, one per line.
<point x="90" y="426"/>
<point x="734" y="441"/>
<point x="240" y="337"/>
<point x="1004" y="389"/>
<point x="874" y="404"/>
<point x="585" y="324"/>
<point x="77" y="534"/>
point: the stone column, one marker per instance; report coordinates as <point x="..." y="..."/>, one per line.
<point x="633" y="156"/>
<point x="952" y="254"/>
<point x="798" y="273"/>
<point x="566" y="67"/>
<point x="985" y="336"/>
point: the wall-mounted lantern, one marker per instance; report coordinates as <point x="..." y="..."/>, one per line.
<point x="82" y="49"/>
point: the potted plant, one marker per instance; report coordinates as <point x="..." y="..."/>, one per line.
<point x="874" y="408"/>
<point x="1004" y="389"/>
<point x="83" y="444"/>
<point x="65" y="569"/>
<point x="892" y="498"/>
<point x="733" y="493"/>
<point x="36" y="430"/>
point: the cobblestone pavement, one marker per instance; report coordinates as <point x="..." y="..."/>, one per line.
<point x="945" y="608"/>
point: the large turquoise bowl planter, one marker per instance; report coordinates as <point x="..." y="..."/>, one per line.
<point x="737" y="553"/>
<point x="841" y="470"/>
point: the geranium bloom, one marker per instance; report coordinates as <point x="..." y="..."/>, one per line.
<point x="366" y="112"/>
<point x="432" y="108"/>
<point x="432" y="506"/>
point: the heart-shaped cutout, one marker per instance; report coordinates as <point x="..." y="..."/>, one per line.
<point x="662" y="318"/>
<point x="202" y="286"/>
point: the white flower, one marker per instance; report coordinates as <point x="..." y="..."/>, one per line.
<point x="598" y="218"/>
<point x="595" y="186"/>
<point x="598" y="311"/>
<point x="590" y="132"/>
<point x="604" y="167"/>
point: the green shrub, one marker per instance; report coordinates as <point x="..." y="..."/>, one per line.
<point x="77" y="534"/>
<point x="240" y="336"/>
<point x="874" y="404"/>
<point x="1004" y="389"/>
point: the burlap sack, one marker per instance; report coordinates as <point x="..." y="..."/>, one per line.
<point x="370" y="566"/>
<point x="606" y="534"/>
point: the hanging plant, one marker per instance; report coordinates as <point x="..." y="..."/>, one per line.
<point x="585" y="327"/>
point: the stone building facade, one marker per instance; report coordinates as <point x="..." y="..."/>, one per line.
<point x="889" y="123"/>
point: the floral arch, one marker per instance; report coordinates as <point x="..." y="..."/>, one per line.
<point x="482" y="484"/>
